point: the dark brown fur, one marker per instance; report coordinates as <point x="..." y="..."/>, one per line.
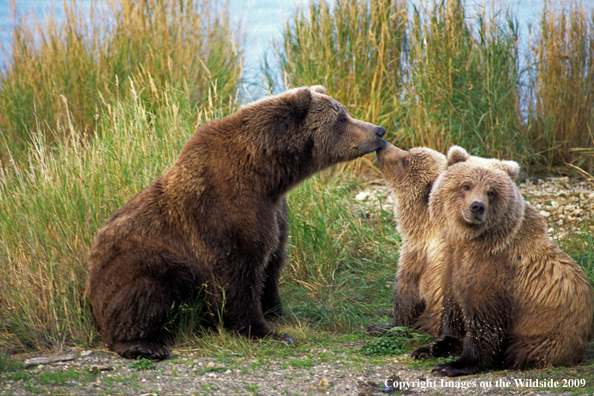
<point x="215" y="223"/>
<point x="511" y="296"/>
<point x="410" y="175"/>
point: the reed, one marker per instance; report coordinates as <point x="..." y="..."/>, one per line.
<point x="353" y="48"/>
<point x="463" y="79"/>
<point x="561" y="87"/>
<point x="63" y="74"/>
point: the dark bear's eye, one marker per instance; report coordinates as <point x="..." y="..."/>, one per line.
<point x="404" y="163"/>
<point x="342" y="119"/>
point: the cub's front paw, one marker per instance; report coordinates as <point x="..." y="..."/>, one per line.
<point x="422" y="353"/>
<point x="454" y="369"/>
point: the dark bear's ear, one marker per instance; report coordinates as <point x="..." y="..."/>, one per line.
<point x="511" y="168"/>
<point x="300" y="101"/>
<point x="457" y="154"/>
<point x="318" y="88"/>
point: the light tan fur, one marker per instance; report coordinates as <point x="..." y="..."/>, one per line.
<point x="511" y="296"/>
<point x="410" y="175"/>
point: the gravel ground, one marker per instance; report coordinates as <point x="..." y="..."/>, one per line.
<point x="184" y="374"/>
<point x="567" y="205"/>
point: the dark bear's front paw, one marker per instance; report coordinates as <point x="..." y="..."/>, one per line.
<point x="422" y="353"/>
<point x="454" y="369"/>
<point x="285" y="338"/>
<point x="140" y="349"/>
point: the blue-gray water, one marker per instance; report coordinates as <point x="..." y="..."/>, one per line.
<point x="263" y="20"/>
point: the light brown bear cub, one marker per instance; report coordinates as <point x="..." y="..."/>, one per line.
<point x="511" y="297"/>
<point x="214" y="226"/>
<point x="417" y="297"/>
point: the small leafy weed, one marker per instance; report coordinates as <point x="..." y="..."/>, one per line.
<point x="142" y="364"/>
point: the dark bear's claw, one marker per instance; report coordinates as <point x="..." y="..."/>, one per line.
<point x="140" y="349"/>
<point x="285" y="338"/>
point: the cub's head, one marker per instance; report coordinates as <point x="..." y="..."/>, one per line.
<point x="477" y="197"/>
<point x="411" y="173"/>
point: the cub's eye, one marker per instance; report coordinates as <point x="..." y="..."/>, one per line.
<point x="466" y="187"/>
<point x="490" y="194"/>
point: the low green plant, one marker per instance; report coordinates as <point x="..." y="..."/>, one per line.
<point x="142" y="364"/>
<point x="7" y="364"/>
<point x="62" y="378"/>
<point x="382" y="346"/>
<point x="396" y="341"/>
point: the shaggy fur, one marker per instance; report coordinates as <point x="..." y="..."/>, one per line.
<point x="511" y="296"/>
<point x="213" y="228"/>
<point x="410" y="175"/>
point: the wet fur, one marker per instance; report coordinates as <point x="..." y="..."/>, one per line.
<point x="410" y="175"/>
<point x="512" y="298"/>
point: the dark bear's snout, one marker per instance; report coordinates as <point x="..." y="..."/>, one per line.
<point x="380" y="131"/>
<point x="369" y="136"/>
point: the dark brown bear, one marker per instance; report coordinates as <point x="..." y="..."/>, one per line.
<point x="511" y="297"/>
<point x="417" y="297"/>
<point x="215" y="224"/>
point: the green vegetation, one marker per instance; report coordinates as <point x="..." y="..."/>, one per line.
<point x="143" y="364"/>
<point x="65" y="76"/>
<point x="397" y="341"/>
<point x="435" y="76"/>
<point x="92" y="114"/>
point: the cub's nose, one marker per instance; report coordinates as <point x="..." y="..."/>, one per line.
<point x="477" y="208"/>
<point x="380" y="131"/>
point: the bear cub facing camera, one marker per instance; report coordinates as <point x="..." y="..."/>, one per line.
<point x="417" y="297"/>
<point x="511" y="297"/>
<point x="214" y="226"/>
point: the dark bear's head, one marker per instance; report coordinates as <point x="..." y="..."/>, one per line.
<point x="476" y="196"/>
<point x="312" y="128"/>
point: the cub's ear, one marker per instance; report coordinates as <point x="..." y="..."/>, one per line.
<point x="318" y="89"/>
<point x="511" y="168"/>
<point x="457" y="154"/>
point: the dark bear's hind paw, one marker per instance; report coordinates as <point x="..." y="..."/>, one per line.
<point x="140" y="349"/>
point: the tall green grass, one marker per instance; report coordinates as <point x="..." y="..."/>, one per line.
<point x="561" y="87"/>
<point x="52" y="205"/>
<point x="93" y="113"/>
<point x="64" y="74"/>
<point x="463" y="81"/>
<point x="449" y="78"/>
<point x="90" y="115"/>
<point x="342" y="254"/>
<point x="354" y="49"/>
